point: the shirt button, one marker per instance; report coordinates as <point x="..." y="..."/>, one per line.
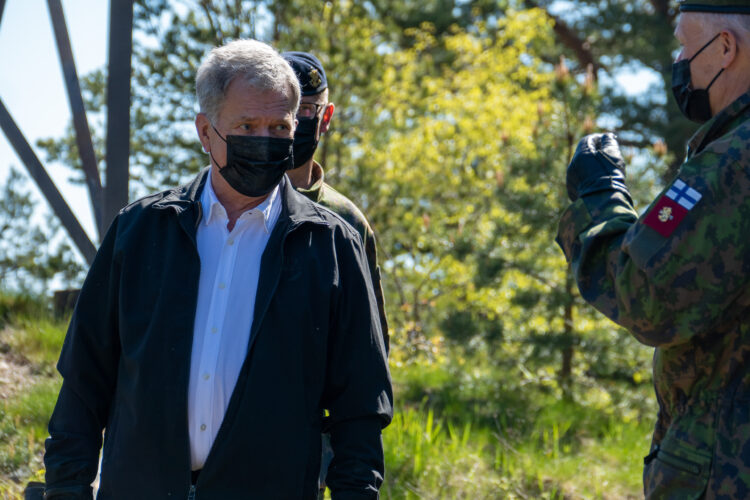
<point x="203" y="427"/>
<point x="231" y="242"/>
<point x="222" y="286"/>
<point x="206" y="376"/>
<point x="214" y="330"/>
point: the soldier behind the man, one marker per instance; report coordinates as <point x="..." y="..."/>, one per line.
<point x="678" y="276"/>
<point x="314" y="117"/>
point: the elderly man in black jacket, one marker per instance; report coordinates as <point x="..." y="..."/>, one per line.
<point x="224" y="324"/>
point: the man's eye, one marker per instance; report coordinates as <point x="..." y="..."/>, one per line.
<point x="245" y="126"/>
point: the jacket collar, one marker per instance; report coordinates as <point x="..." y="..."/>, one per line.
<point x="183" y="197"/>
<point x="294" y="206"/>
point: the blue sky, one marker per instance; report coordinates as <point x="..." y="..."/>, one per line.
<point x="31" y="83"/>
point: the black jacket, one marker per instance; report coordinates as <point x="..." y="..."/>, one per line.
<point x="315" y="346"/>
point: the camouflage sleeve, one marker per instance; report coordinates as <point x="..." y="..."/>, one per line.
<point x="372" y="261"/>
<point x="672" y="273"/>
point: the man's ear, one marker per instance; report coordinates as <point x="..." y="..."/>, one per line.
<point x="327" y="115"/>
<point x="728" y="48"/>
<point x="202" y="124"/>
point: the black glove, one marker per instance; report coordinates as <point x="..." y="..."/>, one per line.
<point x="597" y="166"/>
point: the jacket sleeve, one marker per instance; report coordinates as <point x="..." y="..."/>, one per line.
<point x="88" y="364"/>
<point x="665" y="286"/>
<point x="358" y="393"/>
<point x="371" y="252"/>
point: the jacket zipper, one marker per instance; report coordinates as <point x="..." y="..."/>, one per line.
<point x="227" y="415"/>
<point x="191" y="492"/>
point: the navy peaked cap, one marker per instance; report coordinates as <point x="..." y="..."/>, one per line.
<point x="309" y="70"/>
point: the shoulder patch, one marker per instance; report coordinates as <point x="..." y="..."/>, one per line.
<point x="669" y="210"/>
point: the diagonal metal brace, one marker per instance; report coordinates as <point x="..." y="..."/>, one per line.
<point x="80" y="123"/>
<point x="46" y="185"/>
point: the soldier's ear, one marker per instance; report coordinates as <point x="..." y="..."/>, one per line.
<point x="728" y="48"/>
<point x="327" y="115"/>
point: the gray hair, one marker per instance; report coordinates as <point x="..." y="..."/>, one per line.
<point x="737" y="24"/>
<point x="255" y="62"/>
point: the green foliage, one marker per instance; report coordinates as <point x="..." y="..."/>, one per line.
<point x="451" y="133"/>
<point x="467" y="429"/>
<point x="23" y="429"/>
<point x="30" y="255"/>
<point x="30" y="343"/>
<point x="627" y="36"/>
<point x="37" y="339"/>
<point x="454" y="124"/>
<point x="14" y="305"/>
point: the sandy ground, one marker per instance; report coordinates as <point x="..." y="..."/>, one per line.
<point x="15" y="372"/>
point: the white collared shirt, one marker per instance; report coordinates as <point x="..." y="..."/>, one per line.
<point x="230" y="266"/>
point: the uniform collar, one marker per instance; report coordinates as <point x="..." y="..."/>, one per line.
<point x="725" y="120"/>
<point x="315" y="191"/>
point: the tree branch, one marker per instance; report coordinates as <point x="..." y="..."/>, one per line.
<point x="571" y="40"/>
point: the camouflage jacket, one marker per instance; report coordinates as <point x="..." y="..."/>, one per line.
<point x="678" y="278"/>
<point x="322" y="193"/>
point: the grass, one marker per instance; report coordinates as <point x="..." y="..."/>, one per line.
<point x="466" y="426"/>
<point x="470" y="430"/>
<point x="31" y="341"/>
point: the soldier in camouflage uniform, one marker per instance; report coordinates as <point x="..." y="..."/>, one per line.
<point x="314" y="118"/>
<point x="678" y="276"/>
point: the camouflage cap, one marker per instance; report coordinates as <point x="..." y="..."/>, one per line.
<point x="309" y="71"/>
<point x="716" y="6"/>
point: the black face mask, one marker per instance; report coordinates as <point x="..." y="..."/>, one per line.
<point x="255" y="165"/>
<point x="694" y="103"/>
<point x="305" y="143"/>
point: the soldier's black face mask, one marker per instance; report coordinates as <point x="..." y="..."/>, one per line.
<point x="694" y="103"/>
<point x="305" y="142"/>
<point x="255" y="165"/>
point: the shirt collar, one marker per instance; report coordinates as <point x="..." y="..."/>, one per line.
<point x="213" y="208"/>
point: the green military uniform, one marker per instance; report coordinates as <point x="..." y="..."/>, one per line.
<point x="678" y="277"/>
<point x="322" y="193"/>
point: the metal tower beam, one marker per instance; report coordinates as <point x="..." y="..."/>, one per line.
<point x="45" y="184"/>
<point x="118" y="107"/>
<point x="80" y="123"/>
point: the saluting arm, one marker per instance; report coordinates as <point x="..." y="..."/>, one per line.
<point x="673" y="272"/>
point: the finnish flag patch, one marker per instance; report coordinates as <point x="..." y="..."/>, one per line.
<point x="669" y="210"/>
<point x="683" y="194"/>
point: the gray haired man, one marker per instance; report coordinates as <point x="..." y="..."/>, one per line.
<point x="220" y="322"/>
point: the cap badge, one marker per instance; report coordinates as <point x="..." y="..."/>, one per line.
<point x="315" y="78"/>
